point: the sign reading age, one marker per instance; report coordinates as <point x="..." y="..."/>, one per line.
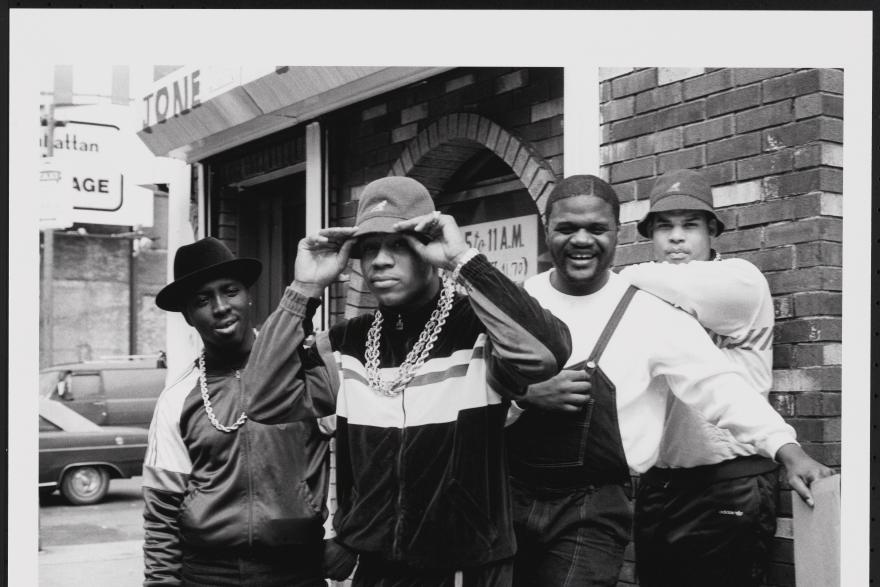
<point x="510" y="244"/>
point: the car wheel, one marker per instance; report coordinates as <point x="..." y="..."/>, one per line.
<point x="85" y="485"/>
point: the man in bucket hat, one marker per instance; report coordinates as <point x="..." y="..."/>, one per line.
<point x="229" y="501"/>
<point x="706" y="512"/>
<point x="580" y="434"/>
<point x="424" y="386"/>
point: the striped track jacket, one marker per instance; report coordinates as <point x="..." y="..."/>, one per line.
<point x="422" y="477"/>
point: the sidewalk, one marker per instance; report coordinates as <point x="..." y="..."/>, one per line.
<point x="103" y="564"/>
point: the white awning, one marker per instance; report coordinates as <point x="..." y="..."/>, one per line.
<point x="198" y="111"/>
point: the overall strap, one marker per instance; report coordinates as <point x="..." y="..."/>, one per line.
<point x="611" y="326"/>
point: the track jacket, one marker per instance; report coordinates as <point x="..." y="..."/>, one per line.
<point x="262" y="485"/>
<point x="422" y="477"/>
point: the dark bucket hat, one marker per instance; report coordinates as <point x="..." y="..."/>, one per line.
<point x="200" y="262"/>
<point x="681" y="189"/>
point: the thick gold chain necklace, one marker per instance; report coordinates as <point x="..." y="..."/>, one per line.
<point x="417" y="355"/>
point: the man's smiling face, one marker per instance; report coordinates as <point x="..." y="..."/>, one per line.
<point x="581" y="237"/>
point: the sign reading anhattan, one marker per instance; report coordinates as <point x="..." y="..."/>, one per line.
<point x="93" y="172"/>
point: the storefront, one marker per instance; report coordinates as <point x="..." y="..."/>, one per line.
<point x="278" y="152"/>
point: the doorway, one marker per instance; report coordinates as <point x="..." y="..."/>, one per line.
<point x="272" y="221"/>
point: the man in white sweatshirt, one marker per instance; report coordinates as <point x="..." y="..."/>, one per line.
<point x="580" y="434"/>
<point x="706" y="512"/>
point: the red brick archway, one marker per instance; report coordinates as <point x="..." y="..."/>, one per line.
<point x="434" y="155"/>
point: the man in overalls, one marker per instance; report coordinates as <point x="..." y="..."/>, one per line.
<point x="579" y="435"/>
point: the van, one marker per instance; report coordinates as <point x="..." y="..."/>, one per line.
<point x="109" y="392"/>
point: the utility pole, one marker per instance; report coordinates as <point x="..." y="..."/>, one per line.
<point x="47" y="297"/>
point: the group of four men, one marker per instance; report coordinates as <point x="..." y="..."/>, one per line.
<point x="481" y="439"/>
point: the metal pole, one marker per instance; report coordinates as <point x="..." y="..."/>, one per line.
<point x="47" y="298"/>
<point x="315" y="193"/>
<point x="132" y="298"/>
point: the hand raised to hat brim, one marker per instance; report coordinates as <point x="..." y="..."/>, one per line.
<point x="321" y="257"/>
<point x="446" y="243"/>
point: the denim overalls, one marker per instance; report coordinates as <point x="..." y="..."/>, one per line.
<point x="571" y="485"/>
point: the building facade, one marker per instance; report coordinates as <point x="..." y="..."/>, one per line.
<point x="771" y="143"/>
<point x="270" y="155"/>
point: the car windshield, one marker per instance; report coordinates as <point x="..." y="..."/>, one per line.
<point x="48" y="381"/>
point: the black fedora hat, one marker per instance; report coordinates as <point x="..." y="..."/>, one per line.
<point x="200" y="262"/>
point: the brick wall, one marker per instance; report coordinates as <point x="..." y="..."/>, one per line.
<point x="771" y="143"/>
<point x="92" y="295"/>
<point x="366" y="140"/>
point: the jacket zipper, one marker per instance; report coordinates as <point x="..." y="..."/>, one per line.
<point x="250" y="477"/>
<point x="398" y="526"/>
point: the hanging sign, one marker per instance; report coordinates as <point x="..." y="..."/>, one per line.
<point x="95" y="158"/>
<point x="55" y="208"/>
<point x="511" y="244"/>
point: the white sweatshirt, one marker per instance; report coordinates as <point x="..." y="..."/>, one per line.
<point x="657" y="349"/>
<point x="731" y="300"/>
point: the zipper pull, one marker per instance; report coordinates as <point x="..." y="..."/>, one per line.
<point x="399" y="324"/>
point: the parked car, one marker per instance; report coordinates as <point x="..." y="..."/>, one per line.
<point x="79" y="458"/>
<point x="113" y="392"/>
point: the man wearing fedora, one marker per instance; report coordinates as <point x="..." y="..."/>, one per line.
<point x="706" y="511"/>
<point x="230" y="501"/>
<point x="424" y="387"/>
<point x="579" y="435"/>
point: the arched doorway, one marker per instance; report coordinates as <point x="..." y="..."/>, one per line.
<point x="493" y="182"/>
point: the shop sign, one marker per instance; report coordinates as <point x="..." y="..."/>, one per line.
<point x="511" y="244"/>
<point x="178" y="94"/>
<point x="81" y="138"/>
<point x="91" y="171"/>
<point x="187" y="88"/>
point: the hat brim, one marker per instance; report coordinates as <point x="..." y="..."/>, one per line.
<point x="173" y="296"/>
<point x="377" y="224"/>
<point x="355" y="252"/>
<point x="676" y="201"/>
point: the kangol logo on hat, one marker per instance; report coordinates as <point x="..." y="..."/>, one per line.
<point x="200" y="262"/>
<point x="675" y="186"/>
<point x="380" y="206"/>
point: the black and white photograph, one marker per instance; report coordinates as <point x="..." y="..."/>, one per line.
<point x="439" y="298"/>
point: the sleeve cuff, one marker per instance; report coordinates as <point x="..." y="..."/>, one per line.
<point x="298" y="303"/>
<point x="475" y="266"/>
<point x="774" y="442"/>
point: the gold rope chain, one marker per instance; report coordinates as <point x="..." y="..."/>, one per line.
<point x="203" y="386"/>
<point x="417" y="355"/>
